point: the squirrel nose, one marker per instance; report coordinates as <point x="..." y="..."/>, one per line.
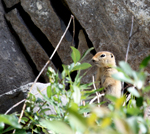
<point x="93" y="60"/>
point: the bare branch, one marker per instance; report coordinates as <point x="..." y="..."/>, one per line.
<point x="14" y="106"/>
<point x="73" y="30"/>
<point x="24" y="106"/>
<point x="96" y="92"/>
<point x="85" y="114"/>
<point x="129" y="40"/>
<point x="127" y="52"/>
<point x="100" y="95"/>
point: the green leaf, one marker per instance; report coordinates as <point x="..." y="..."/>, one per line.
<point x="146" y="89"/>
<point x="77" y="78"/>
<point x="119" y="102"/>
<point x="122" y="126"/>
<point x="49" y="92"/>
<point x="2" y="125"/>
<point x="43" y="110"/>
<point x="86" y="86"/>
<point x="82" y="66"/>
<point x="139" y="101"/>
<point x="111" y="98"/>
<point x="7" y="130"/>
<point x="75" y="55"/>
<point x="143" y="128"/>
<point x="143" y="125"/>
<point x="76" y="94"/>
<point x="132" y="121"/>
<point x="83" y="56"/>
<point x="126" y="68"/>
<point x="133" y="111"/>
<point x="20" y="131"/>
<point x="44" y="97"/>
<point x="145" y="62"/>
<point x="133" y="91"/>
<point x="10" y="120"/>
<point x="56" y="126"/>
<point x="65" y="68"/>
<point x="84" y="109"/>
<point x="93" y="91"/>
<point x="106" y="122"/>
<point x="121" y="76"/>
<point x="76" y="120"/>
<point x="32" y="97"/>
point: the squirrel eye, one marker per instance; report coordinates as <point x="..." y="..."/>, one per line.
<point x="112" y="56"/>
<point x="102" y="55"/>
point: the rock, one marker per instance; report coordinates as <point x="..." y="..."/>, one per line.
<point x="14" y="67"/>
<point x="10" y="3"/>
<point x="36" y="52"/>
<point x="108" y="25"/>
<point x="82" y="47"/>
<point x="121" y="14"/>
<point x="44" y="17"/>
<point x="97" y="24"/>
<point x="12" y="97"/>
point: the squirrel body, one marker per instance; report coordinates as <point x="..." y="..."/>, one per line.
<point x="105" y="62"/>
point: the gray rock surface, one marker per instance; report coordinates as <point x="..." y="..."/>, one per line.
<point x="44" y="17"/>
<point x="36" y="52"/>
<point x="108" y="24"/>
<point x="10" y="98"/>
<point x="14" y="67"/>
<point x="10" y="3"/>
<point x="82" y="47"/>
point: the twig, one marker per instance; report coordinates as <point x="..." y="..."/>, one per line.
<point x="100" y="95"/>
<point x="73" y="30"/>
<point x="14" y="106"/>
<point x="45" y="67"/>
<point x="85" y="114"/>
<point x="126" y="59"/>
<point x="129" y="39"/>
<point x="96" y="92"/>
<point x="18" y="103"/>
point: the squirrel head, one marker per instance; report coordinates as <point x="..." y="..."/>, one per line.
<point x="104" y="59"/>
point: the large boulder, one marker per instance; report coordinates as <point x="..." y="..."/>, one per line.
<point x="10" y="3"/>
<point x="14" y="67"/>
<point x="44" y="17"/>
<point x="106" y="25"/>
<point x="11" y="98"/>
<point x="34" y="49"/>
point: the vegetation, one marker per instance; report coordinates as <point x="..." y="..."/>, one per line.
<point x="77" y="117"/>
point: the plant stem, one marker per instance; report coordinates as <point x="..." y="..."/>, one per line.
<point x="24" y="106"/>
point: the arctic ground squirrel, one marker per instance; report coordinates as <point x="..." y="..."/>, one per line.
<point x="105" y="61"/>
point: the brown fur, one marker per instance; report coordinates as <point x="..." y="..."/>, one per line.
<point x="106" y="61"/>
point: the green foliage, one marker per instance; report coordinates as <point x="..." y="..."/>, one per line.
<point x="73" y="117"/>
<point x="75" y="55"/>
<point x="11" y="120"/>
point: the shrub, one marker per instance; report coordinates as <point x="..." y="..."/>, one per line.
<point x="77" y="116"/>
